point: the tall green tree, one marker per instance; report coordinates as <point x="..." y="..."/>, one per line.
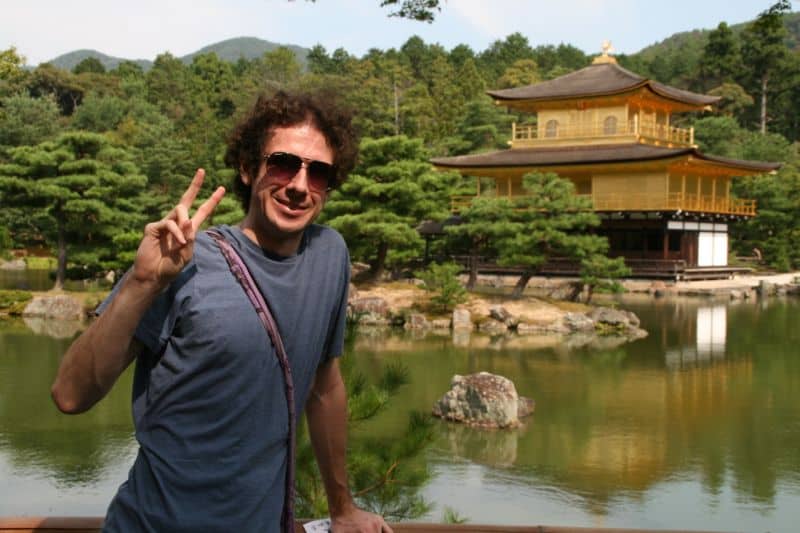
<point x="764" y="51"/>
<point x="392" y="190"/>
<point x="25" y="120"/>
<point x="775" y="231"/>
<point x="721" y="60"/>
<point x="501" y="54"/>
<point x="12" y="73"/>
<point x="81" y="192"/>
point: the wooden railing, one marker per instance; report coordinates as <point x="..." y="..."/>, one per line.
<point x="94" y="525"/>
<point x="650" y="202"/>
<point x="672" y="202"/>
<point x="648" y="130"/>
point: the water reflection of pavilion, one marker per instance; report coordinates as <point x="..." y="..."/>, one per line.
<point x="704" y="340"/>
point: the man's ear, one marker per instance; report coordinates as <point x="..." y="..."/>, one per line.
<point x="244" y="175"/>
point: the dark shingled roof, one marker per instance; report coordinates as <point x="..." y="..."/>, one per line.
<point x="580" y="155"/>
<point x="598" y="80"/>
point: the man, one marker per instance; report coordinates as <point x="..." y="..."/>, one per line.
<point x="209" y="402"/>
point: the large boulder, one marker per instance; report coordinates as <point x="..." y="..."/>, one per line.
<point x="483" y="400"/>
<point x="617" y="322"/>
<point x="61" y="307"/>
<point x="369" y="305"/>
<point x="14" y="264"/>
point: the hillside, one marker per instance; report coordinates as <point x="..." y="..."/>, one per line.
<point x="228" y="50"/>
<point x="696" y="39"/>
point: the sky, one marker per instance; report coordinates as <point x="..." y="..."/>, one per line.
<point x="42" y="30"/>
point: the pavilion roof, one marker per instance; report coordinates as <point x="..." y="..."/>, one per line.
<point x="601" y="79"/>
<point x="589" y="154"/>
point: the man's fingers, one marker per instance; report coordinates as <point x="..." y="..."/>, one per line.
<point x="172" y="227"/>
<point x="181" y="215"/>
<point x="207" y="208"/>
<point x="194" y="188"/>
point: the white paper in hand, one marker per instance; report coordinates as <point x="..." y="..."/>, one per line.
<point x="318" y="526"/>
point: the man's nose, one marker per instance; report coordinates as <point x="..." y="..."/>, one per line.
<point x="299" y="182"/>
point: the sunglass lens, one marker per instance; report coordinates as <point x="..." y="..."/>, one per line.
<point x="320" y="175"/>
<point x="285" y="163"/>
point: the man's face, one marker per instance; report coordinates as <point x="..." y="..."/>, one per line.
<point x="279" y="209"/>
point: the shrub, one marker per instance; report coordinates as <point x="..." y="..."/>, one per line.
<point x="441" y="280"/>
<point x="13" y="302"/>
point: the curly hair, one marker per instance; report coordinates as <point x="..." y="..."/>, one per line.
<point x="247" y="139"/>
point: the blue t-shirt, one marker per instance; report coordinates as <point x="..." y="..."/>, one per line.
<point x="209" y="405"/>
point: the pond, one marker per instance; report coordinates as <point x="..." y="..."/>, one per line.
<point x="695" y="427"/>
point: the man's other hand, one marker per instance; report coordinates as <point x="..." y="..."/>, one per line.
<point x="356" y="520"/>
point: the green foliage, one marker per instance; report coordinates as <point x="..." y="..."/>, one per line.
<point x="549" y="222"/>
<point x="99" y="113"/>
<point x="90" y="64"/>
<point x="776" y="229"/>
<point x="12" y="73"/>
<point x="442" y="281"/>
<point x="25" y="120"/>
<point x="451" y="516"/>
<point x="599" y="272"/>
<point x="384" y="477"/>
<point x="79" y="191"/>
<point x="389" y="193"/>
<point x="13" y="302"/>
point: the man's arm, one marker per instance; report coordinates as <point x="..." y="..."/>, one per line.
<point x="97" y="358"/>
<point x="326" y="414"/>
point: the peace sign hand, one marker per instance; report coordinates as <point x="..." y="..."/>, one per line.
<point x="168" y="245"/>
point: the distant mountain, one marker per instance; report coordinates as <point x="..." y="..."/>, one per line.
<point x="69" y="60"/>
<point x="696" y="39"/>
<point x="246" y="47"/>
<point x="228" y="50"/>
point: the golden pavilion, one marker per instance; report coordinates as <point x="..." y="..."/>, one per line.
<point x="665" y="206"/>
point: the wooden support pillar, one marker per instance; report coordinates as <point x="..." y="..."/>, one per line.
<point x="683" y="191"/>
<point x="714" y="193"/>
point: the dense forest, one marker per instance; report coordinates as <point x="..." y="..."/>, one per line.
<point x="88" y="155"/>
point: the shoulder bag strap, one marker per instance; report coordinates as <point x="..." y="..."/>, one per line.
<point x="245" y="279"/>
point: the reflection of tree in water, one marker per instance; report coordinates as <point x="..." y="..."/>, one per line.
<point x="38" y="440"/>
<point x="68" y="458"/>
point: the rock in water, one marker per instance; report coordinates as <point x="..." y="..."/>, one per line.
<point x="62" y="307"/>
<point x="483" y="400"/>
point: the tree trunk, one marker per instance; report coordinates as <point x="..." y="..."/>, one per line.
<point x="764" y="82"/>
<point x="61" y="269"/>
<point x="473" y="269"/>
<point x="377" y="267"/>
<point x="522" y="282"/>
<point x="396" y="111"/>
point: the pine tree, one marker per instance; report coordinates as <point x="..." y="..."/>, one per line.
<point x="392" y="190"/>
<point x="80" y="192"/>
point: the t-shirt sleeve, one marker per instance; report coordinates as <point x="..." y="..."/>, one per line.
<point x="159" y="320"/>
<point x="336" y="335"/>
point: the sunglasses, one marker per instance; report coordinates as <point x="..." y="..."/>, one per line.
<point x="284" y="166"/>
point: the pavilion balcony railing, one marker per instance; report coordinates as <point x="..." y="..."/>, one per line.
<point x="527" y="134"/>
<point x="699" y="203"/>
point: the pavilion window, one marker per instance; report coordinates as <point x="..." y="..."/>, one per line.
<point x="551" y="128"/>
<point x="610" y="125"/>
